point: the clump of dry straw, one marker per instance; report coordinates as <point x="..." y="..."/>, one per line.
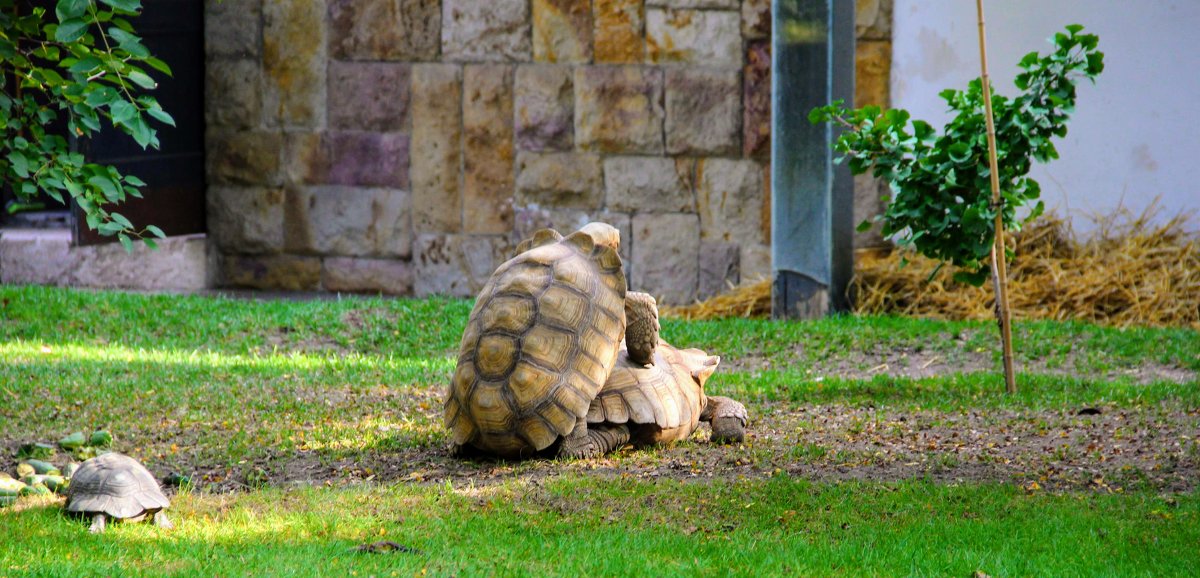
<point x="1132" y="270"/>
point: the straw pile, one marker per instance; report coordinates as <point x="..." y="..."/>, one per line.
<point x="1130" y="271"/>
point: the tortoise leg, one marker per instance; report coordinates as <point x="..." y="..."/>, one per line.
<point x="160" y="520"/>
<point x="728" y="419"/>
<point x="97" y="524"/>
<point x="585" y="442"/>
<point x="641" y="327"/>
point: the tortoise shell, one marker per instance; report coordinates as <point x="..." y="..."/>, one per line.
<point x="115" y="485"/>
<point x="539" y="343"/>
<point x="660" y="402"/>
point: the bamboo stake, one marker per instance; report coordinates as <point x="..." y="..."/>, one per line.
<point x="999" y="265"/>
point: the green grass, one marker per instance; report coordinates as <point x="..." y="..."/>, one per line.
<point x="242" y="387"/>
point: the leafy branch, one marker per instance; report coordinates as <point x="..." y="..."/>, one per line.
<point x="89" y="66"/>
<point x="940" y="203"/>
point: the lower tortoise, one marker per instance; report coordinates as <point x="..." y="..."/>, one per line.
<point x="118" y="487"/>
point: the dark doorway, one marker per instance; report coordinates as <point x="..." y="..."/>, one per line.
<point x="173" y="30"/>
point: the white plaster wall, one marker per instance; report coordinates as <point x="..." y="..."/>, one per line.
<point x="1135" y="134"/>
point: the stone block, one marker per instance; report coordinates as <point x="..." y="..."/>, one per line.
<point x="729" y="196"/>
<point x="562" y="31"/>
<point x="529" y="220"/>
<point x="756" y="100"/>
<point x="348" y="221"/>
<point x="233" y="93"/>
<point x="872" y="73"/>
<point x="701" y="37"/>
<point x="619" y="36"/>
<point x="868" y="202"/>
<point x="36" y="257"/>
<point x="368" y="96"/>
<point x="873" y="19"/>
<point x="756" y="19"/>
<point x="437" y="160"/>
<point x="666" y="251"/>
<point x="368" y="159"/>
<point x="350" y="275"/>
<point x="245" y="219"/>
<point x="456" y="265"/>
<point x="704" y="111"/>
<point x="545" y="105"/>
<point x="560" y="180"/>
<point x="244" y="158"/>
<point x="294" y="63"/>
<point x="46" y="257"/>
<point x="720" y="4"/>
<point x="488" y="149"/>
<point x="281" y="272"/>
<point x="233" y="29"/>
<point x="719" y="268"/>
<point x="494" y="30"/>
<point x="384" y="29"/>
<point x="619" y="109"/>
<point x="755" y="262"/>
<point x="649" y="184"/>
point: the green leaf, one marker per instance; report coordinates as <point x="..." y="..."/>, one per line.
<point x="121" y="220"/>
<point x="863" y="226"/>
<point x="70" y="30"/>
<point x="122" y="112"/>
<point x="20" y="164"/>
<point x="68" y="9"/>
<point x="142" y="79"/>
<point x="106" y="186"/>
<point x="132" y="180"/>
<point x="126" y="242"/>
<point x="156" y="231"/>
<point x="160" y="114"/>
<point x="150" y="243"/>
<point x="1074" y="28"/>
<point x="129" y="42"/>
<point x="126" y="5"/>
<point x="85" y="65"/>
<point x="142" y="133"/>
<point x="158" y="65"/>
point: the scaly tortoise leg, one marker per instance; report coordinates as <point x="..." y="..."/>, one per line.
<point x="641" y="327"/>
<point x="728" y="419"/>
<point x="591" y="442"/>
<point x="97" y="524"/>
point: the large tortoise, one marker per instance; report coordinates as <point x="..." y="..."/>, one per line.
<point x="116" y="486"/>
<point x="538" y="346"/>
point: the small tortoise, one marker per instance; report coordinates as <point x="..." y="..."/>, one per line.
<point x="116" y="486"/>
<point x="538" y="346"/>
<point x="662" y="402"/>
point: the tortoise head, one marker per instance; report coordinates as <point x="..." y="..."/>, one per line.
<point x="700" y="364"/>
<point x="603" y="235"/>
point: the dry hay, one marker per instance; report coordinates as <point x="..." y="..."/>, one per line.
<point x="1130" y="271"/>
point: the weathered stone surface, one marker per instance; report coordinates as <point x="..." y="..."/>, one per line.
<point x="437" y="159"/>
<point x="719" y="267"/>
<point x="619" y="37"/>
<point x="46" y="257"/>
<point x="704" y="111"/>
<point x="488" y="146"/>
<point x="304" y="159"/>
<point x="873" y="19"/>
<point x="385" y="29"/>
<point x="545" y="105"/>
<point x="756" y="19"/>
<point x="666" y="252"/>
<point x="755" y="262"/>
<point x="562" y="31"/>
<point x="284" y="272"/>
<point x="707" y="38"/>
<point x="387" y="276"/>
<point x="348" y="221"/>
<point x="649" y="184"/>
<point x="725" y="4"/>
<point x="36" y="256"/>
<point x="368" y="96"/>
<point x="246" y="219"/>
<point x="233" y="29"/>
<point x="573" y="180"/>
<point x="619" y="109"/>
<point x="369" y="159"/>
<point x="868" y="202"/>
<point x="756" y="100"/>
<point x="729" y="197"/>
<point x="244" y="158"/>
<point x="294" y="63"/>
<point x="872" y="73"/>
<point x="492" y="30"/>
<point x="456" y="265"/>
<point x="233" y="93"/>
<point x="529" y="220"/>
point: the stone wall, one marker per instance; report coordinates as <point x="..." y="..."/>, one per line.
<point x="406" y="146"/>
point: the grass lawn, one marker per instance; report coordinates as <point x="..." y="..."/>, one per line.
<point x="880" y="446"/>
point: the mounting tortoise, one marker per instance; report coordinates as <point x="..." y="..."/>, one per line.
<point x="538" y="346"/>
<point x="116" y="486"/>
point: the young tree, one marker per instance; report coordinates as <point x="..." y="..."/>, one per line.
<point x="87" y="65"/>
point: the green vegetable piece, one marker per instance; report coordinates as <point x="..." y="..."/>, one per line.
<point x="101" y="438"/>
<point x="73" y="441"/>
<point x="41" y="467"/>
<point x="24" y="469"/>
<point x="37" y="450"/>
